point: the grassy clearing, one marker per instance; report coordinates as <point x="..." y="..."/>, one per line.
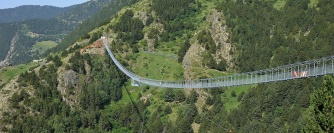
<point x="232" y="102"/>
<point x="41" y="47"/>
<point x="157" y="66"/>
<point x="176" y="108"/>
<point x="134" y="91"/>
<point x="216" y="73"/>
<point x="8" y="73"/>
<point x="279" y="4"/>
<point x="171" y="47"/>
<point x="313" y="3"/>
<point x="156" y="99"/>
<point x="199" y="72"/>
<point x="207" y="6"/>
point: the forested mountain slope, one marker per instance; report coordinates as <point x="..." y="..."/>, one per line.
<point x="299" y="31"/>
<point x="101" y="17"/>
<point x="33" y="37"/>
<point x="30" y="12"/>
<point x="80" y="89"/>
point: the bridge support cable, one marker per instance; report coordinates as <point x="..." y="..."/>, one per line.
<point x="332" y="66"/>
<point x="142" y="118"/>
<point x="311" y="68"/>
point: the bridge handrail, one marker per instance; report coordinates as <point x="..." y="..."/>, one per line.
<point x="261" y="76"/>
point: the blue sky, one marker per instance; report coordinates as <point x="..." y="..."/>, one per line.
<point x="58" y="3"/>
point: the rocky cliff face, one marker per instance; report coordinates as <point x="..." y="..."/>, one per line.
<point x="10" y="53"/>
<point x="220" y="35"/>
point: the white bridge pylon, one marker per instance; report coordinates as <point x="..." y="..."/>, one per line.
<point x="311" y="68"/>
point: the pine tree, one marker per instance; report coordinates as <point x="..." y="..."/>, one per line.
<point x="169" y="95"/>
<point x="192" y="98"/>
<point x="322" y="101"/>
<point x="57" y="61"/>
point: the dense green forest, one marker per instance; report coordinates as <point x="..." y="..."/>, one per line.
<point x="130" y="29"/>
<point x="176" y="20"/>
<point x="57" y="115"/>
<point x="267" y="37"/>
<point x="86" y="92"/>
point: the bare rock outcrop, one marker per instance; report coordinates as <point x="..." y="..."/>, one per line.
<point x="220" y="35"/>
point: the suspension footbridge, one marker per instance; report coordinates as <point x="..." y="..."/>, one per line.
<point x="306" y="69"/>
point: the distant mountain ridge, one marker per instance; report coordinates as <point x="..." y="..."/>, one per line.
<point x="30" y="12"/>
<point x="81" y="11"/>
<point x="40" y="23"/>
